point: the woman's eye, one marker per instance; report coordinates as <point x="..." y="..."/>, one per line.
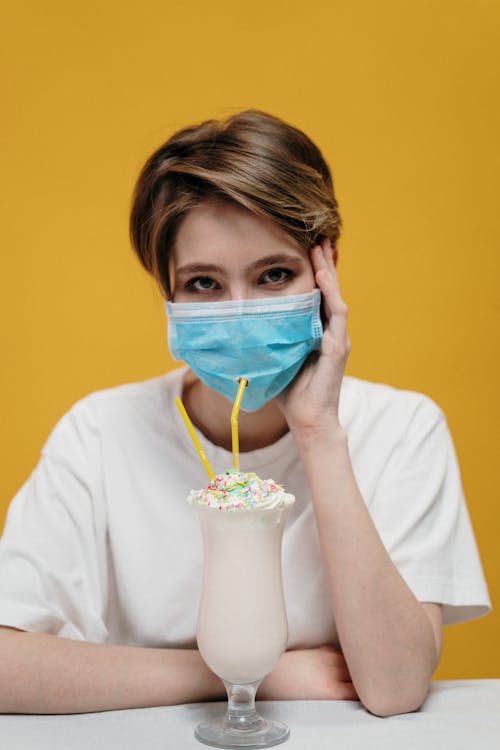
<point x="275" y="276"/>
<point x="202" y="283"/>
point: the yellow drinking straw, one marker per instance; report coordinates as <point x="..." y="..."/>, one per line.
<point x="234" y="423"/>
<point x="194" y="438"/>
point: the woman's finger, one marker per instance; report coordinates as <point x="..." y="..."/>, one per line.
<point x="335" y="306"/>
<point x="319" y="264"/>
<point x="326" y="246"/>
<point x="322" y="257"/>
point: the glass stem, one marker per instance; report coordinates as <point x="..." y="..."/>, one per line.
<point x="241" y="713"/>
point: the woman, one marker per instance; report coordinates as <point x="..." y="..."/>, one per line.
<point x="101" y="555"/>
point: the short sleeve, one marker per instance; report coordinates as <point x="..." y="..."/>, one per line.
<point x="52" y="550"/>
<point x="420" y="512"/>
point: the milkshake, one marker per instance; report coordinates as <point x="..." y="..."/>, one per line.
<point x="242" y="627"/>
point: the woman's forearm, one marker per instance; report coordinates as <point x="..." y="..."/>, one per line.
<point x="386" y="635"/>
<point x="46" y="674"/>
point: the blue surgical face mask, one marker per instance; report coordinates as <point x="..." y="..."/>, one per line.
<point x="265" y="340"/>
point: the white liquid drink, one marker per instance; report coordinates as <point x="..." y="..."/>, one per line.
<point x="242" y="628"/>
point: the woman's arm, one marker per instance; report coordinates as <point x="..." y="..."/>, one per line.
<point x="309" y="674"/>
<point x="391" y="641"/>
<point x="47" y="674"/>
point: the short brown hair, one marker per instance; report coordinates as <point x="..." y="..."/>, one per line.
<point x="252" y="159"/>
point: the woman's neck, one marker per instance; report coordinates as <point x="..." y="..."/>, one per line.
<point x="211" y="414"/>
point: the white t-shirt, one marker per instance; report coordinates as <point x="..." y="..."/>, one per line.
<point x="100" y="544"/>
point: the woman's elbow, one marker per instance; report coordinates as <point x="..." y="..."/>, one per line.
<point x="394" y="704"/>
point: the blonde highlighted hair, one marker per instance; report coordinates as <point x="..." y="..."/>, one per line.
<point x="252" y="159"/>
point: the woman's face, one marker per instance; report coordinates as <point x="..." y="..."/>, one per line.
<point x="225" y="252"/>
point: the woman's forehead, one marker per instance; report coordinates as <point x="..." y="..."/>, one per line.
<point x="215" y="231"/>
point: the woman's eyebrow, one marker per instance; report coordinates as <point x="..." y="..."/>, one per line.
<point x="272" y="259"/>
<point x="199" y="268"/>
<point x="269" y="260"/>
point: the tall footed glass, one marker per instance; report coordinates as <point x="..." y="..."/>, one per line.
<point x="242" y="627"/>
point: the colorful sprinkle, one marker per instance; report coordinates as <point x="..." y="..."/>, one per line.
<point x="236" y="490"/>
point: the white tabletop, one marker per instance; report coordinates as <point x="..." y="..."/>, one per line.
<point x="460" y="715"/>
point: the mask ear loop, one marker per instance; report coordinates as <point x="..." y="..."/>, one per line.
<point x="243" y="382"/>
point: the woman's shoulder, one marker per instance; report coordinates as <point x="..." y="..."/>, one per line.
<point x="130" y="394"/>
<point x="152" y="388"/>
<point x="367" y="401"/>
<point x="121" y="409"/>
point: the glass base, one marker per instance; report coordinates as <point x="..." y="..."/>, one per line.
<point x="226" y="733"/>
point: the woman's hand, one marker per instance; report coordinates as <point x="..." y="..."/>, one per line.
<point x="309" y="674"/>
<point x="310" y="403"/>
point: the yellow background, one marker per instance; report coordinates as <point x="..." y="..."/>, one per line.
<point x="402" y="97"/>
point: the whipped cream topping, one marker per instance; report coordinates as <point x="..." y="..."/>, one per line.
<point x="238" y="490"/>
